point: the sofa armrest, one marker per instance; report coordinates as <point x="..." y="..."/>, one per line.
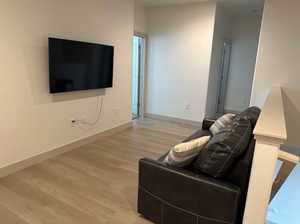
<point x="207" y="123"/>
<point x="201" y="195"/>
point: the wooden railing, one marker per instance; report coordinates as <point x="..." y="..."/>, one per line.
<point x="270" y="133"/>
<point x="289" y="163"/>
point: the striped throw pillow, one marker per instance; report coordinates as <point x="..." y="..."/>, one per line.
<point x="183" y="154"/>
<point x="222" y="122"/>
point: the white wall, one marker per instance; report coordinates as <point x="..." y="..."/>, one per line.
<point x="222" y="32"/>
<point x="179" y="52"/>
<point x="278" y="60"/>
<point x="278" y="64"/>
<point x="245" y="37"/>
<point x="140" y="18"/>
<point x="32" y="120"/>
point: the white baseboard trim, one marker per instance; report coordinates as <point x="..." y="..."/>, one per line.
<point x="7" y="170"/>
<point x="173" y="119"/>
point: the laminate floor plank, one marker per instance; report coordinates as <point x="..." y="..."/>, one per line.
<point x="93" y="184"/>
<point x="10" y="217"/>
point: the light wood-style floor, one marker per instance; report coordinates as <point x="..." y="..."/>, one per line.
<point x="94" y="184"/>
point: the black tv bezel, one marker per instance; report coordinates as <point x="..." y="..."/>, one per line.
<point x="51" y="90"/>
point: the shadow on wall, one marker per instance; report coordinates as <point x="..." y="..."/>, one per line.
<point x="76" y="95"/>
<point x="291" y="99"/>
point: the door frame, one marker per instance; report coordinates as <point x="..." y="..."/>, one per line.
<point x="142" y="72"/>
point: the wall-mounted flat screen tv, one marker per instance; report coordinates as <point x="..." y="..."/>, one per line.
<point x="75" y="65"/>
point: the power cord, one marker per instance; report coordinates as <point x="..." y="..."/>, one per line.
<point x="99" y="109"/>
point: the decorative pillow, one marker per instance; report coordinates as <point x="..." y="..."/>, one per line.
<point x="222" y="122"/>
<point x="252" y="113"/>
<point x="183" y="154"/>
<point x="198" y="134"/>
<point x="224" y="149"/>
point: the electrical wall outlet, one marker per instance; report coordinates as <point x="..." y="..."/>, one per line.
<point x="74" y="123"/>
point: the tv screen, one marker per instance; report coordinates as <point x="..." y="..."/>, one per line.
<point x="75" y="65"/>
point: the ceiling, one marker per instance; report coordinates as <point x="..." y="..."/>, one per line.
<point x="235" y="6"/>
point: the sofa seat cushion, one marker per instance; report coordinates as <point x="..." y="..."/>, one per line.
<point x="224" y="149"/>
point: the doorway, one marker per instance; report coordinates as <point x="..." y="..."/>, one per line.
<point x="138" y="67"/>
<point x="238" y="64"/>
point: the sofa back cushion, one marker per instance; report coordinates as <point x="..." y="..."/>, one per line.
<point x="240" y="172"/>
<point x="251" y="113"/>
<point x="224" y="148"/>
